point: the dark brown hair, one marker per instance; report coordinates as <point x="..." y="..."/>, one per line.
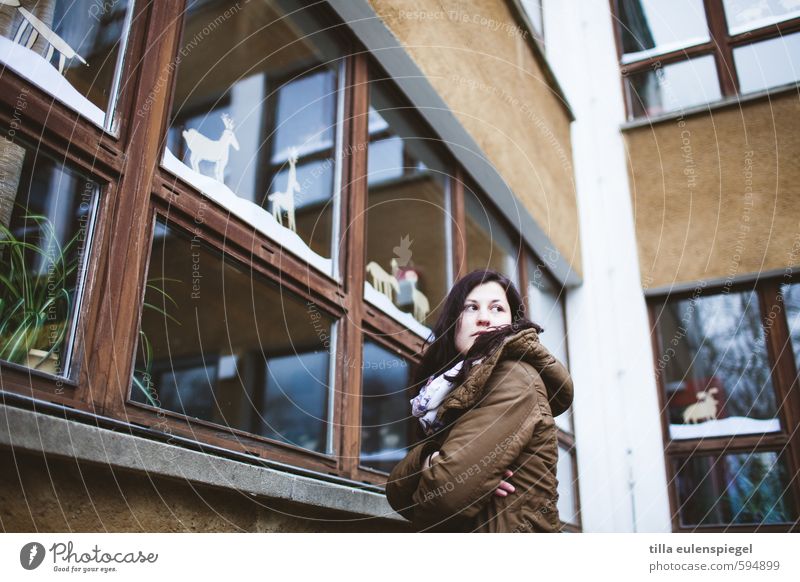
<point x="441" y="352"/>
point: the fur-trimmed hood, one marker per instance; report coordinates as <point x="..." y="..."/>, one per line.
<point x="522" y="346"/>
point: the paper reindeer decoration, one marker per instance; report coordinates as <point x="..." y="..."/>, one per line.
<point x="203" y="149"/>
<point x="382" y="281"/>
<point x="704" y="409"/>
<point x="407" y="277"/>
<point x="284" y="201"/>
<point x="40" y="28"/>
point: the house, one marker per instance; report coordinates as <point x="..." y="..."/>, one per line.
<point x="204" y="234"/>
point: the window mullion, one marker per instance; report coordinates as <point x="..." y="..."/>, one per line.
<point x="723" y="54"/>
<point x="354" y="202"/>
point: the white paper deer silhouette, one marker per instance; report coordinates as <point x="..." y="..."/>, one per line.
<point x="38" y="27"/>
<point x="704" y="409"/>
<point x="422" y="306"/>
<point x="203" y="149"/>
<point x="382" y="281"/>
<point x="284" y="201"/>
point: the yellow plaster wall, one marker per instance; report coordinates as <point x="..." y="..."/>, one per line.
<point x="481" y="64"/>
<point x="716" y="195"/>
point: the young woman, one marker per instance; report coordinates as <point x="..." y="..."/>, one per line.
<point x="489" y="392"/>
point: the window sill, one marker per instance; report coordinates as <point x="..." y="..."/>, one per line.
<point x="734" y="100"/>
<point x="37" y="433"/>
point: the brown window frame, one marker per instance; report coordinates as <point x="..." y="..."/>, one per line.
<point x="786" y="384"/>
<point x="720" y="45"/>
<point x="136" y="191"/>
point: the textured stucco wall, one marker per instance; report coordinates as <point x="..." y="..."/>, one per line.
<point x="55" y="495"/>
<point x="481" y="64"/>
<point x="716" y="195"/>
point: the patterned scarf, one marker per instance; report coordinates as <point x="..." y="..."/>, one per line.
<point x="425" y="405"/>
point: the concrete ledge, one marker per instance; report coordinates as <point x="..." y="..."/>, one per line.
<point x="25" y="430"/>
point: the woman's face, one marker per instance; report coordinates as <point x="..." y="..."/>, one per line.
<point x="485" y="307"/>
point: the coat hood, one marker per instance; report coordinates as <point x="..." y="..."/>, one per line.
<point x="521" y="346"/>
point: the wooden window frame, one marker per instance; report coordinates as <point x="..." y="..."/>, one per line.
<point x="720" y="45"/>
<point x="136" y="191"/>
<point x="785" y="381"/>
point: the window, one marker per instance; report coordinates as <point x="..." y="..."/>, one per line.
<point x="534" y="11"/>
<point x="546" y="307"/>
<point x="72" y="49"/>
<point x="254" y="118"/>
<point x="202" y="273"/>
<point x="408" y="226"/>
<point x="47" y="211"/>
<point x="490" y="243"/>
<point x="726" y="370"/>
<point x="678" y="55"/>
<point x="386" y="422"/>
<point x="222" y="344"/>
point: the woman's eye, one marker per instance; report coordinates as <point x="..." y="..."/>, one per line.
<point x="498" y="307"/>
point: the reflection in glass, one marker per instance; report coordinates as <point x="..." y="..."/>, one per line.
<point x="767" y="64"/>
<point x="81" y="41"/>
<point x="386" y="421"/>
<point x="490" y="245"/>
<point x="673" y="87"/>
<point x="715" y="366"/>
<point x="546" y="307"/>
<point x="226" y="346"/>
<point x="649" y="27"/>
<point x="567" y="487"/>
<point x="407" y="222"/>
<point x="255" y="110"/>
<point x="46" y="214"/>
<point x="791" y="301"/>
<point x="743" y="488"/>
<point x="743" y="15"/>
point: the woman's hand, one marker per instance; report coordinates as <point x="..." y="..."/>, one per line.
<point x="505" y="488"/>
<point x="429" y="459"/>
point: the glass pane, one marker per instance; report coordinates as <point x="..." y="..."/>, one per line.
<point x="767" y="64"/>
<point x="546" y="307"/>
<point x="743" y="15"/>
<point x="546" y="304"/>
<point x="567" y="487"/>
<point x="650" y="27"/>
<point x="225" y="345"/>
<point x="533" y="8"/>
<point x="673" y="87"/>
<point x="253" y="122"/>
<point x="489" y="243"/>
<point x="715" y="367"/>
<point x="791" y="300"/>
<point x="407" y="221"/>
<point x="386" y="422"/>
<point x="46" y="214"/>
<point x="734" y="489"/>
<point x="70" y="48"/>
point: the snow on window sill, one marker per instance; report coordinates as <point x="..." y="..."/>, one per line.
<point x="733" y="426"/>
<point x="38" y="71"/>
<point x="383" y="303"/>
<point x="251" y="213"/>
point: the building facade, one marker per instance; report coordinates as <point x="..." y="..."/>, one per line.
<point x="227" y="228"/>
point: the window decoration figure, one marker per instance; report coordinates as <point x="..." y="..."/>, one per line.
<point x="704" y="409"/>
<point x="284" y="201"/>
<point x="382" y="281"/>
<point x="407" y="279"/>
<point x="203" y="149"/>
<point x="40" y="28"/>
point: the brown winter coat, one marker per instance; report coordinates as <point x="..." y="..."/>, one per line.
<point x="505" y="414"/>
